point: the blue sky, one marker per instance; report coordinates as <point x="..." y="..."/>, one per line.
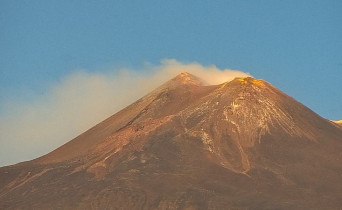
<point x="295" y="44"/>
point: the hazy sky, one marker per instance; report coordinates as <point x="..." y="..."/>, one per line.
<point x="56" y="56"/>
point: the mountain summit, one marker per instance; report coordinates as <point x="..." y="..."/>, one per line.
<point x="242" y="144"/>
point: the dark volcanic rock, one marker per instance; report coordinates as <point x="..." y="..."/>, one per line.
<point x="239" y="145"/>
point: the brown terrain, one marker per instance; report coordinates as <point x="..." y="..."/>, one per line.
<point x="240" y="145"/>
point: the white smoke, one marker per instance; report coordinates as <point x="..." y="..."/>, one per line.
<point x="29" y="129"/>
<point x="210" y="74"/>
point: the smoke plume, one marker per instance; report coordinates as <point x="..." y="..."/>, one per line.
<point x="29" y="129"/>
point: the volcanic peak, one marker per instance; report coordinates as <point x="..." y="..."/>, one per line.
<point x="241" y="83"/>
<point x="251" y="80"/>
<point x="242" y="144"/>
<point x="187" y="78"/>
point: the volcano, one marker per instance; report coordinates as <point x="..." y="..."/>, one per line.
<point x="242" y="144"/>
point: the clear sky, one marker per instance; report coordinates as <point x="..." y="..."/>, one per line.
<point x="296" y="44"/>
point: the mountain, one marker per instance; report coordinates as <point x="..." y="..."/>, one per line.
<point x="242" y="144"/>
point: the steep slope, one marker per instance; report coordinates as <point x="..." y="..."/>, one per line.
<point x="241" y="144"/>
<point x="154" y="105"/>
